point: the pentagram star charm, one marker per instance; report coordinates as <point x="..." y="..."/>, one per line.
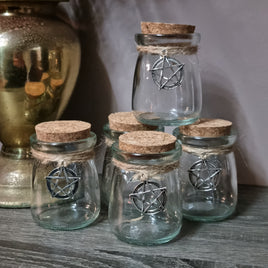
<point x="204" y="174"/>
<point x="167" y="73"/>
<point x="148" y="197"/>
<point x="62" y="183"/>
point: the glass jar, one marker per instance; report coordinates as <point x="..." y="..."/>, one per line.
<point x="145" y="202"/>
<point x="208" y="174"/>
<point x="65" y="185"/>
<point x="39" y="64"/>
<point x="167" y="86"/>
<point x="120" y="122"/>
<point x="111" y="136"/>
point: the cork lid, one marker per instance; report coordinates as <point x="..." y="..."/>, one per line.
<point x="62" y="131"/>
<point x="207" y="127"/>
<point x="126" y="121"/>
<point x="166" y="28"/>
<point x="44" y="76"/>
<point x="34" y="89"/>
<point x="146" y="142"/>
<point x="55" y="83"/>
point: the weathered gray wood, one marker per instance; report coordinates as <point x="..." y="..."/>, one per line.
<point x="241" y="241"/>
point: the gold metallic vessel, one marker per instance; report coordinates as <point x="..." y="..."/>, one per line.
<point x="39" y="64"/>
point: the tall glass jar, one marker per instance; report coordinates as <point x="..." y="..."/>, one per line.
<point x="167" y="85"/>
<point x="119" y="123"/>
<point x="208" y="170"/>
<point x="145" y="202"/>
<point x="39" y="64"/>
<point x="65" y="186"/>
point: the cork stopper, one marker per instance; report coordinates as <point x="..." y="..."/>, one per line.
<point x="55" y="83"/>
<point x="206" y="127"/>
<point x="34" y="89"/>
<point x="146" y="142"/>
<point x="44" y="76"/>
<point x="126" y="121"/>
<point x="62" y="131"/>
<point x="166" y="28"/>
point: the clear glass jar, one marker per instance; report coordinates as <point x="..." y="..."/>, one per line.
<point x="111" y="136"/>
<point x="65" y="192"/>
<point x="209" y="179"/>
<point x="145" y="203"/>
<point x="167" y="85"/>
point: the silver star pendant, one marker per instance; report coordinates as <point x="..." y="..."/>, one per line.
<point x="204" y="175"/>
<point x="148" y="197"/>
<point x="62" y="183"/>
<point x="167" y="73"/>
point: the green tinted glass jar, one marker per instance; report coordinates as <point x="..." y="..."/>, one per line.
<point x="208" y="170"/>
<point x="65" y="185"/>
<point x="145" y="202"/>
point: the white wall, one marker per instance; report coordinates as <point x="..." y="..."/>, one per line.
<point x="233" y="60"/>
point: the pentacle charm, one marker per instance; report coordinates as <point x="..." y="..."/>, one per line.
<point x="62" y="183"/>
<point x="204" y="175"/>
<point x="167" y="73"/>
<point x="149" y="198"/>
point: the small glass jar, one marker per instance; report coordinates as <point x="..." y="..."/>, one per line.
<point x="208" y="173"/>
<point x="65" y="186"/>
<point x="167" y="86"/>
<point x="120" y="122"/>
<point x="111" y="136"/>
<point x="145" y="202"/>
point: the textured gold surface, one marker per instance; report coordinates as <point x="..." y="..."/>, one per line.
<point x="39" y="63"/>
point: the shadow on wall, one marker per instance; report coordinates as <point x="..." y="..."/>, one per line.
<point x="220" y="101"/>
<point x="91" y="99"/>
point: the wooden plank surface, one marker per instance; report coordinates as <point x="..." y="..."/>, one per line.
<point x="241" y="241"/>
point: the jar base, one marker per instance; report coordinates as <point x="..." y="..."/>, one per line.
<point x="147" y="233"/>
<point x="66" y="218"/>
<point x="204" y="212"/>
<point x="164" y="119"/>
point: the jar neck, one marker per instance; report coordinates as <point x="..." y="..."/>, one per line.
<point x="12" y="8"/>
<point x="64" y="147"/>
<point x="147" y="159"/>
<point x="112" y="136"/>
<point x="182" y="40"/>
<point x="207" y="142"/>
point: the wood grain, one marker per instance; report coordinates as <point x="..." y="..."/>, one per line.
<point x="241" y="241"/>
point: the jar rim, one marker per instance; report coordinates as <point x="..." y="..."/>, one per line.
<point x="110" y="134"/>
<point x="142" y="158"/>
<point x="168" y="40"/>
<point x="107" y="131"/>
<point x="59" y="147"/>
<point x="228" y="140"/>
<point x="114" y="134"/>
<point x="158" y="39"/>
<point x="180" y="36"/>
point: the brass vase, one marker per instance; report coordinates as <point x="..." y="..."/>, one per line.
<point x="39" y="64"/>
